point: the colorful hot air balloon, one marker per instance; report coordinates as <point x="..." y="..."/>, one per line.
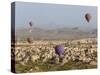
<point x="59" y="49"/>
<point x="29" y="40"/>
<point x="88" y="17"/>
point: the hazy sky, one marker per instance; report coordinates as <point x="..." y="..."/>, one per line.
<point x="54" y="15"/>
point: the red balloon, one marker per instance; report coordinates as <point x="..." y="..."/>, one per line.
<point x="88" y="17"/>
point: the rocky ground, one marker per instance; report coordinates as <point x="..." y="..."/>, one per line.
<point x="40" y="55"/>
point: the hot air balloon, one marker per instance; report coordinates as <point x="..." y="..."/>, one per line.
<point x="88" y="17"/>
<point x="29" y="40"/>
<point x="30" y="23"/>
<point x="59" y="49"/>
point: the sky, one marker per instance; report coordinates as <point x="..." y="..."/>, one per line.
<point x="53" y="16"/>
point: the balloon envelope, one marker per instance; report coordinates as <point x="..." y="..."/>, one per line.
<point x="88" y="17"/>
<point x="29" y="40"/>
<point x="59" y="49"/>
<point x="30" y="23"/>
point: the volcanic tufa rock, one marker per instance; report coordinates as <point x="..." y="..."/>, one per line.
<point x="93" y="63"/>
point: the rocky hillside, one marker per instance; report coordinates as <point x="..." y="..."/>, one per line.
<point x="41" y="56"/>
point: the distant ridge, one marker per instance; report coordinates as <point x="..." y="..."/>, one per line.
<point x="61" y="33"/>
